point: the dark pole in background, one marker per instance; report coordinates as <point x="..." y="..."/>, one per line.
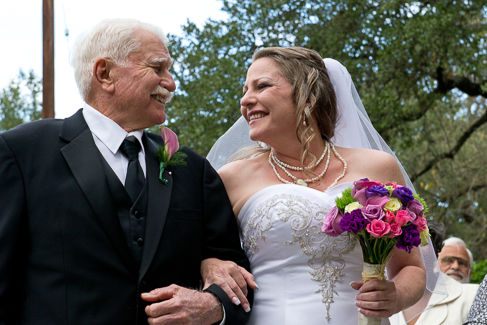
<point x="48" y="59"/>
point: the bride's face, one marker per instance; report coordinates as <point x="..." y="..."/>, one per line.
<point x="267" y="103"/>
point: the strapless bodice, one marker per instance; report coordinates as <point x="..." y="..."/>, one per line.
<point x="303" y="274"/>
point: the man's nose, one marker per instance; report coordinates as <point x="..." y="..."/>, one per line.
<point x="455" y="265"/>
<point x="168" y="82"/>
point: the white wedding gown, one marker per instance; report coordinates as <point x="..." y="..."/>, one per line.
<point x="303" y="274"/>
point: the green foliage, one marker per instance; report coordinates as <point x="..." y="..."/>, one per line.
<point x="19" y="101"/>
<point x="419" y="67"/>
<point x="479" y="270"/>
<point x="345" y="200"/>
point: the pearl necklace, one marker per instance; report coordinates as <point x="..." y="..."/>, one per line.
<point x="303" y="182"/>
<point x="283" y="164"/>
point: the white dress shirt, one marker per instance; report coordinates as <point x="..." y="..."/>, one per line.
<point x="108" y="136"/>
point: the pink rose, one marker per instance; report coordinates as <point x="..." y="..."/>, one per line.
<point x="331" y="224"/>
<point x="395" y="230"/>
<point x="389" y="217"/>
<point x="373" y="212"/>
<point x="402" y="217"/>
<point x="394" y="185"/>
<point x="378" y="200"/>
<point x="378" y="228"/>
<point x="420" y="223"/>
<point x="366" y="183"/>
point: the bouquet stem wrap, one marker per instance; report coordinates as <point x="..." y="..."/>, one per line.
<point x="371" y="271"/>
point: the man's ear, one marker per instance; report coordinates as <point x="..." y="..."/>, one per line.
<point x="103" y="74"/>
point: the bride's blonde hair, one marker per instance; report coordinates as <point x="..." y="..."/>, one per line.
<point x="313" y="95"/>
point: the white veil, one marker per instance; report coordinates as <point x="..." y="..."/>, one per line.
<point x="353" y="130"/>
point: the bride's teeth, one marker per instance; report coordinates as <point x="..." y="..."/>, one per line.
<point x="258" y="115"/>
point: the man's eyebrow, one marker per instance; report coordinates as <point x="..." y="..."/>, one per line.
<point x="157" y="61"/>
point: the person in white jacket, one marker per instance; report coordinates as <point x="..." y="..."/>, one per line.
<point x="451" y="310"/>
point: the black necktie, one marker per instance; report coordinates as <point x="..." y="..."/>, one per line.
<point x="135" y="176"/>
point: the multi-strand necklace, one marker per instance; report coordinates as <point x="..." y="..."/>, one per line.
<point x="304" y="182"/>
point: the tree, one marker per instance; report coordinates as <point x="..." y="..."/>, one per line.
<point x="419" y="66"/>
<point x="19" y="101"/>
<point x="479" y="271"/>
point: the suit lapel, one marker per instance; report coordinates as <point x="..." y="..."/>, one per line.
<point x="85" y="162"/>
<point x="158" y="206"/>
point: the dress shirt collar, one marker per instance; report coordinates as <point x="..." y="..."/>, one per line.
<point x="107" y="130"/>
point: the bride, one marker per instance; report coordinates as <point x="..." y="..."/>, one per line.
<point x="309" y="145"/>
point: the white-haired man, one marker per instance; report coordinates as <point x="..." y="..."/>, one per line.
<point x="439" y="309"/>
<point x="90" y="233"/>
<point x="456" y="260"/>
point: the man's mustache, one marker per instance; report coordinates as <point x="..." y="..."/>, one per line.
<point x="456" y="272"/>
<point x="159" y="90"/>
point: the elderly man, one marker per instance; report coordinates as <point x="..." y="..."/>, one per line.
<point x="456" y="260"/>
<point x="90" y="232"/>
<point x="438" y="308"/>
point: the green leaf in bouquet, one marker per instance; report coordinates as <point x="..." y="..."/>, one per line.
<point x="345" y="200"/>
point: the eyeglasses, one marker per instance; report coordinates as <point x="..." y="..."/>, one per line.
<point x="449" y="260"/>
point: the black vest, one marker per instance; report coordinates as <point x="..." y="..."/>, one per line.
<point x="132" y="216"/>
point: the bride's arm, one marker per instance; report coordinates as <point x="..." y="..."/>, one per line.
<point x="230" y="277"/>
<point x="382" y="299"/>
<point x="405" y="270"/>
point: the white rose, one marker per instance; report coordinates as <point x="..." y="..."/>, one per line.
<point x="353" y="206"/>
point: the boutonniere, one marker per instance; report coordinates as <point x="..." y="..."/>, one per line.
<point x="169" y="155"/>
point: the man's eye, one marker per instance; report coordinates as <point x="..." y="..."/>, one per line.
<point x="262" y="86"/>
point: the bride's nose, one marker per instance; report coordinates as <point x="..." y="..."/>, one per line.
<point x="247" y="99"/>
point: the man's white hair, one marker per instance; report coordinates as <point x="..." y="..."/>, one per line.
<point x="111" y="38"/>
<point x="455" y="241"/>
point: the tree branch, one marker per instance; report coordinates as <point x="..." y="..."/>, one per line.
<point x="450" y="81"/>
<point x="450" y="154"/>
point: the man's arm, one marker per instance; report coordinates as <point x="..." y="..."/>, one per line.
<point x="222" y="240"/>
<point x="12" y="213"/>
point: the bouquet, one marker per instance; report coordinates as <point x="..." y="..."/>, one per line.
<point x="381" y="217"/>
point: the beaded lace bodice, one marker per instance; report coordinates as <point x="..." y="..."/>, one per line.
<point x="303" y="274"/>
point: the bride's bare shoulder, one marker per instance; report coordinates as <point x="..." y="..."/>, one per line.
<point x="374" y="164"/>
<point x="238" y="170"/>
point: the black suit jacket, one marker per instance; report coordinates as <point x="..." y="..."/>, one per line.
<point x="63" y="255"/>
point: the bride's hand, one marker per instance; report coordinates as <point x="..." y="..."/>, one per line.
<point x="376" y="298"/>
<point x="232" y="278"/>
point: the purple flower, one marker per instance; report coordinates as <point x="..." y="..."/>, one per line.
<point x="373" y="212"/>
<point x="353" y="221"/>
<point x="416" y="207"/>
<point x="331" y="223"/>
<point x="359" y="195"/>
<point x="376" y="190"/>
<point x="378" y="200"/>
<point x="409" y="238"/>
<point x="404" y="194"/>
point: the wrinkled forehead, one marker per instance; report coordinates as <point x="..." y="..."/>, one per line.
<point x="455" y="251"/>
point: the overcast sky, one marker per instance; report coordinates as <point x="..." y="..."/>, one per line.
<point x="21" y="33"/>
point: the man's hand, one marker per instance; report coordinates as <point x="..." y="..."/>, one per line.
<point x="232" y="278"/>
<point x="376" y="298"/>
<point x="178" y="305"/>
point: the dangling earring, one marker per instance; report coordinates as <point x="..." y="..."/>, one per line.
<point x="306" y="113"/>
